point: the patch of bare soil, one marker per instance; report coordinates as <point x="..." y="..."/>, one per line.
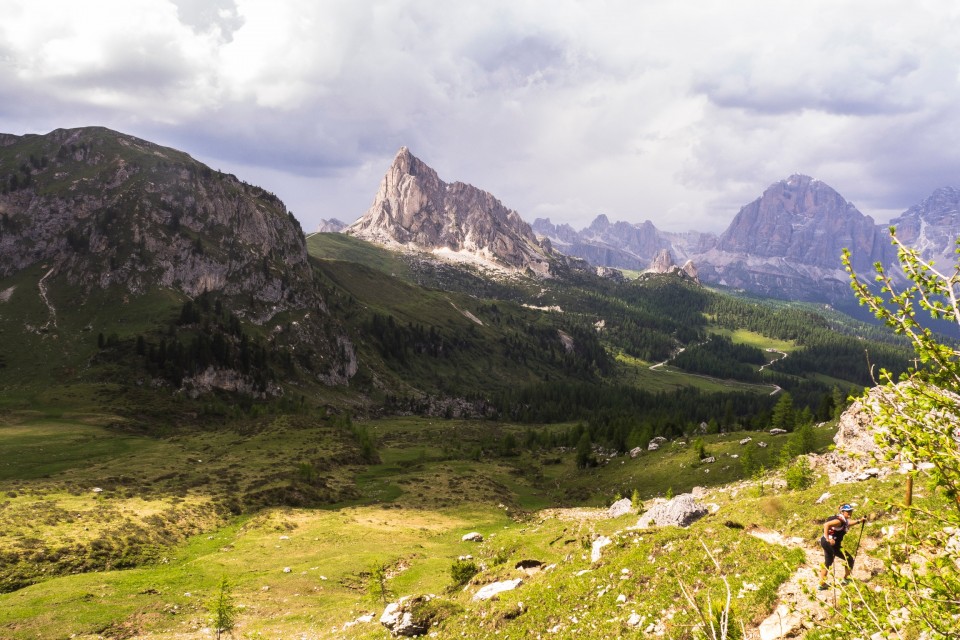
<point x="579" y="514"/>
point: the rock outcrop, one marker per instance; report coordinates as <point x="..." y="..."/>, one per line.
<point x="856" y="448"/>
<point x="401" y="619"/>
<point x="415" y="209"/>
<point x="682" y="511"/>
<point x="662" y="262"/>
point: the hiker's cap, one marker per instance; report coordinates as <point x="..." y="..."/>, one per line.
<point x="846" y="507"/>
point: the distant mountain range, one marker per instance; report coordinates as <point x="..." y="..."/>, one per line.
<point x="786" y="244"/>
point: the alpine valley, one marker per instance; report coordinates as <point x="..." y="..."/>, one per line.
<point x="211" y="421"/>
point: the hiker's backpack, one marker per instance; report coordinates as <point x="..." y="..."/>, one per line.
<point x="834" y="531"/>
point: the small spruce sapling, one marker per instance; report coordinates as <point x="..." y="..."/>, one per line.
<point x="222" y="609"/>
<point x="377" y="586"/>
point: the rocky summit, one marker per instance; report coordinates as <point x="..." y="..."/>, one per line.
<point x="788" y="243"/>
<point x="416" y="210"/>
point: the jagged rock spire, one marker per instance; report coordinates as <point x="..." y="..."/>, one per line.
<point x="414" y="208"/>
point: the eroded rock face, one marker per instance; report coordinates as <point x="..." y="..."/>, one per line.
<point x="855" y="445"/>
<point x="662" y="262"/>
<point x="415" y="208"/>
<point x="932" y="225"/>
<point x="788" y="243"/>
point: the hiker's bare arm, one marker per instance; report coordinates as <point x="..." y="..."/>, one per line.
<point x="827" y="525"/>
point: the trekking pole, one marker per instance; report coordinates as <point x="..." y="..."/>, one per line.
<point x="834" y="585"/>
<point x="857" y="548"/>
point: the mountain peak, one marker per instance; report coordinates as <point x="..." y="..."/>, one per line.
<point x="415" y="209"/>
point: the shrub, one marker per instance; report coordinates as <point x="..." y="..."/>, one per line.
<point x="799" y="475"/>
<point x="377" y="586"/>
<point x="461" y="571"/>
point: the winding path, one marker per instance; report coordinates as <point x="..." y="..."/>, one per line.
<point x="795" y="607"/>
<point x="776" y="388"/>
<point x="42" y="285"/>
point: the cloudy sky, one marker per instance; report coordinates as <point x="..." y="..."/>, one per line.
<point x="674" y="111"/>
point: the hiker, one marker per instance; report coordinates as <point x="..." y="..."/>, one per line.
<point x="833" y="531"/>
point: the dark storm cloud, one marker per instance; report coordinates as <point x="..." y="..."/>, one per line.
<point x="656" y="110"/>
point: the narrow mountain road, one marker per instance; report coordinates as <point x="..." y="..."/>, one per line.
<point x="783" y="354"/>
<point x="659" y="368"/>
<point x="654" y="367"/>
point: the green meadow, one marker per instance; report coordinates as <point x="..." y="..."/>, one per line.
<point x="112" y="534"/>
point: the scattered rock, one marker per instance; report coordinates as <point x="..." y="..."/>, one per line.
<point x="762" y="445"/>
<point x="777" y="432"/>
<point x="635" y="620"/>
<point x="287" y="569"/>
<point x="709" y="460"/>
<point x="620" y="508"/>
<point x="529" y="567"/>
<point x="872" y="472"/>
<point x="399" y="618"/>
<point x="496" y="588"/>
<point x="781" y="624"/>
<point x="681" y="511"/>
<point x="636" y="451"/>
<point x="824" y="497"/>
<point x="473" y="536"/>
<point x="746" y="440"/>
<point x="599" y="544"/>
<point x="653" y="446"/>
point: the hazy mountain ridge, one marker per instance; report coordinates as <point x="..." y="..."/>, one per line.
<point x="787" y="243"/>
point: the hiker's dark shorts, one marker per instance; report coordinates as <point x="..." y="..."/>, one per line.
<point x="830" y="552"/>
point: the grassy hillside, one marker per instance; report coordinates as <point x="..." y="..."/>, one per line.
<point x="154" y="543"/>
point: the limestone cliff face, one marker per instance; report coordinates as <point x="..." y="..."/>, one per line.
<point x="662" y="262"/>
<point x="805" y="221"/>
<point x="414" y="208"/>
